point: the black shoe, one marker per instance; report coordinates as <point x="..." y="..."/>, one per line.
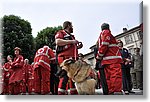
<point x="131" y="91"/>
<point x="141" y="88"/>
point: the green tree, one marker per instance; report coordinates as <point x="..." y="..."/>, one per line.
<point x="46" y="37"/>
<point x="17" y="32"/>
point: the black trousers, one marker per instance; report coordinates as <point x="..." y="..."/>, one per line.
<point x="126" y="78"/>
<point x="103" y="81"/>
<point x="54" y="81"/>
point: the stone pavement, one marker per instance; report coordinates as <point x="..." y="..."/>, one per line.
<point x="137" y="92"/>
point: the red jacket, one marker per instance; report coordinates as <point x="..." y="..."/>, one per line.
<point x="17" y="67"/>
<point x="69" y="50"/>
<point x="42" y="58"/>
<point x="108" y="48"/>
<point x="27" y="72"/>
<point x="6" y="68"/>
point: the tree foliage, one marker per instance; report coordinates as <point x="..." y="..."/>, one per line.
<point x="17" y="32"/>
<point x="46" y="37"/>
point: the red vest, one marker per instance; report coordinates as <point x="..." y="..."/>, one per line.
<point x="108" y="48"/>
<point x="69" y="50"/>
<point x="42" y="58"/>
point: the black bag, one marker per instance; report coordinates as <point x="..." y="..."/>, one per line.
<point x="59" y="49"/>
<point x="95" y="51"/>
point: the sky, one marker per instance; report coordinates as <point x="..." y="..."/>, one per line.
<point x="86" y="16"/>
<point x="116" y="28"/>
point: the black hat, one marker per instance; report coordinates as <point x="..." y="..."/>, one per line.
<point x="105" y="26"/>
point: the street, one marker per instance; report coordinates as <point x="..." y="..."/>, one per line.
<point x="137" y="92"/>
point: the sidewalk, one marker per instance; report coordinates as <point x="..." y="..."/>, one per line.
<point x="137" y="92"/>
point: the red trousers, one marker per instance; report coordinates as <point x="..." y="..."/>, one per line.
<point x="15" y="88"/>
<point x="5" y="86"/>
<point x="27" y="86"/>
<point x="41" y="81"/>
<point x="23" y="87"/>
<point x="113" y="77"/>
<point x="64" y="84"/>
<point x="30" y="86"/>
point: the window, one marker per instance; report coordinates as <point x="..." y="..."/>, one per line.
<point x="128" y="39"/>
<point x="141" y="34"/>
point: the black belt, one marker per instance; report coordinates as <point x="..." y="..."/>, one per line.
<point x="67" y="57"/>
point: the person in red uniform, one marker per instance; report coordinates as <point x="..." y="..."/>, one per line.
<point x="6" y="74"/>
<point x="27" y="79"/>
<point x="42" y="70"/>
<point x="1" y="78"/>
<point x="66" y="47"/>
<point x="24" y="85"/>
<point x="16" y="78"/>
<point x="31" y="82"/>
<point x="110" y="57"/>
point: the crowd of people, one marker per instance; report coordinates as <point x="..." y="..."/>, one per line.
<point x="44" y="76"/>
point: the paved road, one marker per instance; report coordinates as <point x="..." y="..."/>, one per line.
<point x="137" y="92"/>
<point x="100" y="92"/>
